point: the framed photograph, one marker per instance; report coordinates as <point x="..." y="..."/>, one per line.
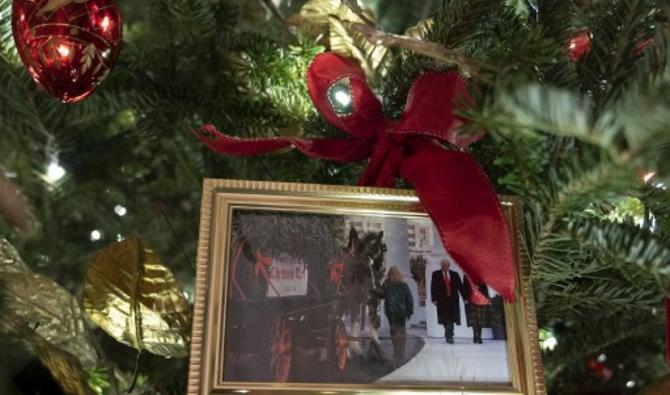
<point x="323" y="289"/>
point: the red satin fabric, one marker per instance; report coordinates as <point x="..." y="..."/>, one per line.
<point x="465" y="209"/>
<point x="450" y="184"/>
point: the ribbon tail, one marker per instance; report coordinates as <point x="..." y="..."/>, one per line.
<point x="229" y="145"/>
<point x="460" y="199"/>
<point x="339" y="150"/>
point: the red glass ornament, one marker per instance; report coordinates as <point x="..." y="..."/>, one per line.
<point x="68" y="46"/>
<point x="579" y="45"/>
<point x="600" y="370"/>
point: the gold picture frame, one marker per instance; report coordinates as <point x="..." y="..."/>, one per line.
<point x="208" y="344"/>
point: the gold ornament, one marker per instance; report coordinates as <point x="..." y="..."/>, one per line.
<point x="371" y="57"/>
<point x="313" y="17"/>
<point x="51" y="310"/>
<point x="64" y="367"/>
<point x="420" y="30"/>
<point x="323" y="19"/>
<point x="131" y="295"/>
<point x="329" y="20"/>
<point x="658" y="387"/>
<point x="44" y="305"/>
<point x="10" y="261"/>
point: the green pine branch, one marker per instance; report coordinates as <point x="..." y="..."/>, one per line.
<point x="625" y="243"/>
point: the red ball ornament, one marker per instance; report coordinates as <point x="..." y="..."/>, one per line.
<point x="68" y="46"/>
<point x="600" y="370"/>
<point x="579" y="45"/>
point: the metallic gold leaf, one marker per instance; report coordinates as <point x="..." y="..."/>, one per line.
<point x="373" y="57"/>
<point x="313" y="17"/>
<point x="328" y="20"/>
<point x="355" y="45"/>
<point x="420" y="29"/>
<point x="37" y="301"/>
<point x="64" y="367"/>
<point x="10" y="260"/>
<point x="54" y="313"/>
<point x="131" y="295"/>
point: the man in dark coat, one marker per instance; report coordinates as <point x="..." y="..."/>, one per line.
<point x="446" y="288"/>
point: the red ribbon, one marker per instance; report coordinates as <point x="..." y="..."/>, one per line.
<point x="452" y="187"/>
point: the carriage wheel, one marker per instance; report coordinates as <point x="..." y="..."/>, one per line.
<point x="340" y="344"/>
<point x="281" y="350"/>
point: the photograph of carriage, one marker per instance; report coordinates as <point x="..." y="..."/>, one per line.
<point x="316" y="298"/>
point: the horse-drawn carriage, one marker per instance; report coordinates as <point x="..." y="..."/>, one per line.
<point x="287" y="301"/>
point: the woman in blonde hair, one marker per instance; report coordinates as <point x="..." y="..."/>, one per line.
<point x="398" y="307"/>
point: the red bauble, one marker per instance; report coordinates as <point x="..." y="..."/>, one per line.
<point x="600" y="370"/>
<point x="68" y="46"/>
<point x="579" y="45"/>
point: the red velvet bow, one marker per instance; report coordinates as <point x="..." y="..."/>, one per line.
<point x="452" y="187"/>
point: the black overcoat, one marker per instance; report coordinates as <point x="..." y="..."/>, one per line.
<point x="448" y="307"/>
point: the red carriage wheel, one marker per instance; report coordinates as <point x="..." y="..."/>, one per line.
<point x="340" y="344"/>
<point x="281" y="350"/>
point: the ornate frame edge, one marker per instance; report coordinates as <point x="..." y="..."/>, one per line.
<point x="533" y="349"/>
<point x="195" y="377"/>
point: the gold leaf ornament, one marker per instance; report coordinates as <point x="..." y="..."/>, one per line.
<point x="51" y="310"/>
<point x="313" y="17"/>
<point x="64" y="367"/>
<point x="133" y="297"/>
<point x="10" y="260"/>
<point x="368" y="55"/>
<point x="329" y="20"/>
<point x="41" y="303"/>
<point x="322" y="20"/>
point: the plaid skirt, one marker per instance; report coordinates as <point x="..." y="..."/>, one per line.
<point x="482" y="316"/>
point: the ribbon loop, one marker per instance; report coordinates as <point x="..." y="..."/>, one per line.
<point x="431" y="105"/>
<point x="325" y="72"/>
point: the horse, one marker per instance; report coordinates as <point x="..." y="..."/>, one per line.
<point x="362" y="275"/>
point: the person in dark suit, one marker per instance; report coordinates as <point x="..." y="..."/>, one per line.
<point x="446" y="288"/>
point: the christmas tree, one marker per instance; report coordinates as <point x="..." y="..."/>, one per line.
<point x="574" y="97"/>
